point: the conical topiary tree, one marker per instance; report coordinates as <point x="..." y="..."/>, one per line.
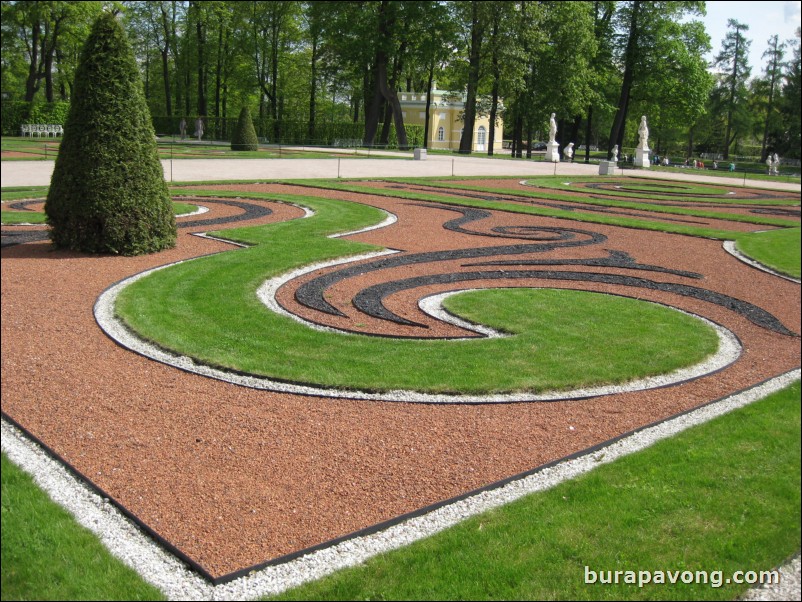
<point x="244" y="138"/>
<point x="107" y="193"/>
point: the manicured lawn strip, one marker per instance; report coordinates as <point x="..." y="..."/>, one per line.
<point x="47" y="555"/>
<point x="735" y="217"/>
<point x="753" y="176"/>
<point x="777" y="249"/>
<point x="559" y="183"/>
<point x="38" y="217"/>
<point x="23" y="192"/>
<point x="625" y="222"/>
<point x="208" y="309"/>
<point x="189" y="151"/>
<point x="183" y="208"/>
<point x="722" y="496"/>
<point x="22" y="217"/>
<point x="651" y="189"/>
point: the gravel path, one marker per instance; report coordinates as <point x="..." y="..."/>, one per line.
<point x="233" y="477"/>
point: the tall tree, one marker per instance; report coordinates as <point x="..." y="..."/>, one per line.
<point x="733" y="61"/>
<point x="313" y="18"/>
<point x="772" y="80"/>
<point x="602" y="63"/>
<point x="46" y="30"/>
<point x="273" y="28"/>
<point x="475" y="17"/>
<point x="791" y="101"/>
<point x="645" y="28"/>
<point x="570" y="40"/>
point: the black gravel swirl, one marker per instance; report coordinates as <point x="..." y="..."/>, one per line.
<point x="371" y="300"/>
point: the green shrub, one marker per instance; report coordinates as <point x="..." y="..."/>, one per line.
<point x="244" y="138"/>
<point x="107" y="193"/>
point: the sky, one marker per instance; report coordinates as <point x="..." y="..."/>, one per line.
<point x="764" y="20"/>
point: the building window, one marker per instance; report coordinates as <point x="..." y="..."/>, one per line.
<point x="441" y="134"/>
<point x="422" y="115"/>
<point x="403" y="97"/>
<point x="481" y="137"/>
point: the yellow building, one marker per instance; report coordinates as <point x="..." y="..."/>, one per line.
<point x="445" y="126"/>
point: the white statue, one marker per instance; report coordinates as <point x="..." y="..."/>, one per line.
<point x="776" y="165"/>
<point x="770" y="164"/>
<point x="569" y="151"/>
<point x="552" y="128"/>
<point x="614" y="154"/>
<point x="199" y="128"/>
<point x="643" y="134"/>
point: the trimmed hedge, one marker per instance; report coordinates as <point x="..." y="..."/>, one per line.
<point x="244" y="138"/>
<point x="15" y="113"/>
<point x="107" y="193"/>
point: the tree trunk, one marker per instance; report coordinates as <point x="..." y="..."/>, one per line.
<point x="477" y="31"/>
<point x="312" y="92"/>
<point x="202" y="109"/>
<point x="588" y="130"/>
<point x="392" y="99"/>
<point x="218" y="74"/>
<point x="730" y="105"/>
<point x="373" y="111"/>
<point x="166" y="75"/>
<point x="274" y="77"/>
<point x="428" y="117"/>
<point x="32" y="81"/>
<point x="617" y="131"/>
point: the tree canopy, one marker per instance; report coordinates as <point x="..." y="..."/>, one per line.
<point x="315" y="71"/>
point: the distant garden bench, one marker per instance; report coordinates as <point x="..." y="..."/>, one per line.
<point x="40" y="129"/>
<point x="348" y="142"/>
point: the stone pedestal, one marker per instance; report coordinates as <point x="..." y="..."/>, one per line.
<point x="419" y="154"/>
<point x="607" y="168"/>
<point x="642" y="157"/>
<point x="553" y="152"/>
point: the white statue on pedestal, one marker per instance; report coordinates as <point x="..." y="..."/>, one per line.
<point x="614" y="154"/>
<point x="643" y="134"/>
<point x="552" y="128"/>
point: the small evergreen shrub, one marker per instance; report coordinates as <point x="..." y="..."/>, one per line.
<point x="244" y="138"/>
<point x="107" y="193"/>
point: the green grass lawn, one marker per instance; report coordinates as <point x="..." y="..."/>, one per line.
<point x="38" y="217"/>
<point x="33" y="149"/>
<point x="777" y="249"/>
<point x="48" y="556"/>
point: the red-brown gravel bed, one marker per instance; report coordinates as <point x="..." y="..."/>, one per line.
<point x="234" y="477"/>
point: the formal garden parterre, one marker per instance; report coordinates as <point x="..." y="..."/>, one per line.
<point x="234" y="477"/>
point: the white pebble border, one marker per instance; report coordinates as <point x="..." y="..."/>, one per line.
<point x="729" y="246"/>
<point x="200" y="210"/>
<point x="165" y="572"/>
